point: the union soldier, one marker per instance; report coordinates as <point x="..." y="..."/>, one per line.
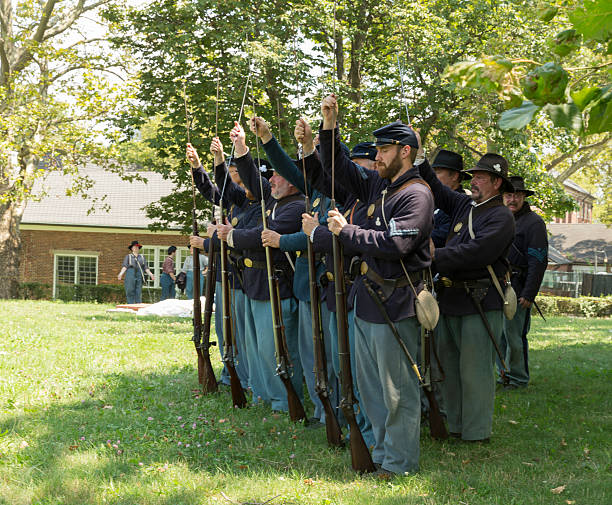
<point x="448" y="166"/>
<point x="236" y="200"/>
<point x="320" y="236"/>
<point x="296" y="243"/>
<point x="394" y="246"/>
<point x="528" y="259"/>
<point x="482" y="229"/>
<point x="284" y="206"/>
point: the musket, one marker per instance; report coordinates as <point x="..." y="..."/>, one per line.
<point x="436" y="421"/>
<point x="504" y="370"/>
<point x="238" y="398"/>
<point x="361" y="459"/>
<point x="206" y="374"/>
<point x="208" y="380"/>
<point x="283" y="361"/>
<point x="332" y="427"/>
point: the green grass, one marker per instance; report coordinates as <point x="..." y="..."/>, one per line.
<point x="99" y="408"/>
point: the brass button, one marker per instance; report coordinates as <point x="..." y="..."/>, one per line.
<point x="248" y="262"/>
<point x="347" y="213"/>
<point x="330" y="276"/>
<point x="316" y="202"/>
<point x="364" y="268"/>
<point x="457" y="227"/>
<point x="298" y="253"/>
<point x="268" y="212"/>
<point x="234" y="221"/>
<point x="371" y="209"/>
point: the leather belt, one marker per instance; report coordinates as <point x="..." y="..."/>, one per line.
<point x="262" y="265"/>
<point x="469" y="283"/>
<point x="399" y="282"/>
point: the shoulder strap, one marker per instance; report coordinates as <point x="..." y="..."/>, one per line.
<point x="494" y="278"/>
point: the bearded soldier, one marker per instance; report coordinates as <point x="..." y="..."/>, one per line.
<point x="471" y="321"/>
<point x="394" y="248"/>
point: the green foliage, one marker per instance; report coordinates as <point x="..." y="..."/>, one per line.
<point x="586" y="306"/>
<point x="566" y="41"/>
<point x="518" y="117"/>
<point x="545" y="84"/>
<point x="593" y="20"/>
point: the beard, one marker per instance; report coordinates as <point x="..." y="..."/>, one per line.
<point x="391" y="170"/>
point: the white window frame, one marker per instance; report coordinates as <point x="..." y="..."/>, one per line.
<point x="76" y="255"/>
<point x="161" y="251"/>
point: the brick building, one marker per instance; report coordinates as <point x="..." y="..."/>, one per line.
<point x="584" y="201"/>
<point x="63" y="243"/>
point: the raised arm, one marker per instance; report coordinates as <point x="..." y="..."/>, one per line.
<point x="249" y="172"/>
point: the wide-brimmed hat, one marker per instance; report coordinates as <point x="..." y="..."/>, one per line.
<point x="134" y="242"/>
<point x="451" y="161"/>
<point x="519" y="185"/>
<point x="495" y="164"/>
<point x="396" y="133"/>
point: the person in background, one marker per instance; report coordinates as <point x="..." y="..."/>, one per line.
<point x="168" y="276"/>
<point x="134" y="267"/>
<point x="188" y="269"/>
<point x="528" y="257"/>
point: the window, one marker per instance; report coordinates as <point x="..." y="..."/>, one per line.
<point x="155" y="256"/>
<point x="74" y="268"/>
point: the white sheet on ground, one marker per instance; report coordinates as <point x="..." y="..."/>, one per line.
<point x="171" y="307"/>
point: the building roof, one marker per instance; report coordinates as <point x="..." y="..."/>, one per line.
<point x="124" y="200"/>
<point x="571" y="185"/>
<point x="554" y="256"/>
<point x="580" y="241"/>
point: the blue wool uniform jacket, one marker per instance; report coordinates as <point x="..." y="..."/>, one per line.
<point x="284" y="217"/>
<point x="442" y="224"/>
<point x="355" y="213"/>
<point x="297" y="242"/>
<point x="212" y="193"/>
<point x="463" y="258"/>
<point x="399" y="229"/>
<point x="528" y="255"/>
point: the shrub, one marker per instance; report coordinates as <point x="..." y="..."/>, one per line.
<point x="587" y="306"/>
<point x="102" y="293"/>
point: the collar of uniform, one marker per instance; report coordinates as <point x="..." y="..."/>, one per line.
<point x="476" y="205"/>
<point x="523" y="210"/>
<point x="409" y="174"/>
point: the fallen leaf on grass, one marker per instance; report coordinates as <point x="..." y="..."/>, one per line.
<point x="528" y="464"/>
<point x="558" y="490"/>
<point x="107" y="407"/>
<point x="465" y="461"/>
<point x="563" y="442"/>
<point x="73" y="447"/>
<point x="570" y="502"/>
<point x="308" y="482"/>
<point x="511" y="421"/>
<point x="586" y="452"/>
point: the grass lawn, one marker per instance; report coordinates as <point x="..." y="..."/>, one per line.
<point x="103" y="408"/>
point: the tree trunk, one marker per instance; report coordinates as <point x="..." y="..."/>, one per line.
<point x="10" y="245"/>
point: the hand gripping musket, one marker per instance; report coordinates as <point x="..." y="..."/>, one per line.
<point x="361" y="459"/>
<point x="332" y="427"/>
<point x="229" y="341"/>
<point x="283" y="361"/>
<point x="201" y="334"/>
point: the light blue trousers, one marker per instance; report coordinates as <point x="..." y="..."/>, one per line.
<point x="467" y="358"/>
<point x="514" y="343"/>
<point x="259" y="335"/>
<point x="390" y="392"/>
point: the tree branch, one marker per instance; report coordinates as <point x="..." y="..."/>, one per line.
<point x="565" y="156"/>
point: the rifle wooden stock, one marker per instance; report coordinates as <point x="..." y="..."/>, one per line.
<point x="283" y="361"/>
<point x="296" y="409"/>
<point x="332" y="427"/>
<point x="437" y="428"/>
<point x="209" y="381"/>
<point x="201" y="333"/>
<point x="361" y="459"/>
<point x="238" y="398"/>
